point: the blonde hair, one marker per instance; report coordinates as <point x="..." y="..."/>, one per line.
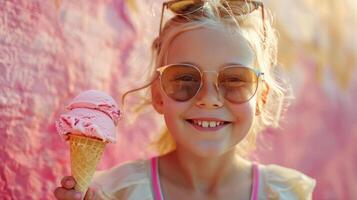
<point x="264" y="45"/>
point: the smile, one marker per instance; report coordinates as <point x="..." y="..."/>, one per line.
<point x="207" y="125"/>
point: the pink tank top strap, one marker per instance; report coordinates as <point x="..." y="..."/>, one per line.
<point x="155" y="180"/>
<point x="255" y="185"/>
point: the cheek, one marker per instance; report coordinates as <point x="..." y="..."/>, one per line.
<point x="174" y="122"/>
<point x="244" y="115"/>
<point x="173" y="112"/>
<point x="244" y="111"/>
<point x="174" y="115"/>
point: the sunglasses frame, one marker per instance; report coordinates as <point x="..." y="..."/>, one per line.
<point x="259" y="76"/>
<point x="257" y="4"/>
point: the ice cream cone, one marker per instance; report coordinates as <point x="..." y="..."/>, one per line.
<point x="89" y="125"/>
<point x="85" y="155"/>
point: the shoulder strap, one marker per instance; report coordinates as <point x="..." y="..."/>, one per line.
<point x="255" y="185"/>
<point x="155" y="179"/>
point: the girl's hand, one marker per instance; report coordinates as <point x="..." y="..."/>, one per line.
<point x="67" y="192"/>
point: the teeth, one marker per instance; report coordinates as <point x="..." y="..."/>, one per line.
<point x="207" y="124"/>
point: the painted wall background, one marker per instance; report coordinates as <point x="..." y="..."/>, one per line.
<point x="52" y="50"/>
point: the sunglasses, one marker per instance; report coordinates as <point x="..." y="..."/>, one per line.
<point x="232" y="7"/>
<point x="182" y="82"/>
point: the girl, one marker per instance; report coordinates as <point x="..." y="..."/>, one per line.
<point x="216" y="84"/>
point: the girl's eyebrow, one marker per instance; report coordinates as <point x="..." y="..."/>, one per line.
<point x="189" y="63"/>
<point x="222" y="66"/>
<point x="229" y="64"/>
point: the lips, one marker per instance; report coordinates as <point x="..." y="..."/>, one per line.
<point x="208" y="124"/>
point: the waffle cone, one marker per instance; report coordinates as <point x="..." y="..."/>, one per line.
<point x="85" y="155"/>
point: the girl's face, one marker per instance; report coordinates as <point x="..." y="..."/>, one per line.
<point x="209" y="49"/>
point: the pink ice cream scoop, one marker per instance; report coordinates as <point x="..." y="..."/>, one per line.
<point x="92" y="114"/>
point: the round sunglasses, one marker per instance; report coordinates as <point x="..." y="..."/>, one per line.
<point x="236" y="83"/>
<point x="231" y="7"/>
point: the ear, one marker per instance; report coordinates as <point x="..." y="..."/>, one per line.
<point x="156" y="97"/>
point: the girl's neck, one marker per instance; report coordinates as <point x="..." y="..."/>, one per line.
<point x="201" y="174"/>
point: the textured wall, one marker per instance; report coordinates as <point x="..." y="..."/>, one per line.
<point x="49" y="52"/>
<point x="52" y="50"/>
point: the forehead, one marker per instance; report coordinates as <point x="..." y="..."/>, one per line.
<point x="210" y="48"/>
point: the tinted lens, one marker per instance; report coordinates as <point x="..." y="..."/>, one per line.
<point x="241" y="7"/>
<point x="185" y="6"/>
<point x="238" y="84"/>
<point x="181" y="83"/>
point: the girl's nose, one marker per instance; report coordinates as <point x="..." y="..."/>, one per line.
<point x="208" y="96"/>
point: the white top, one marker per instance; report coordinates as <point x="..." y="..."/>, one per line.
<point x="134" y="181"/>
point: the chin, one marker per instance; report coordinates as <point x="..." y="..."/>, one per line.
<point x="209" y="150"/>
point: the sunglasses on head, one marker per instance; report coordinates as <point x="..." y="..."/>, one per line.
<point x="234" y="7"/>
<point x="236" y="83"/>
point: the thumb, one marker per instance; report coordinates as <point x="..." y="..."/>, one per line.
<point x="89" y="194"/>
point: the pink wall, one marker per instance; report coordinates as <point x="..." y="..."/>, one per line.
<point x="52" y="50"/>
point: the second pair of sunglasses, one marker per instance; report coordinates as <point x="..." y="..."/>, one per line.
<point x="236" y="7"/>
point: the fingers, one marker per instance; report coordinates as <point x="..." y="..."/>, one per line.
<point x="90" y="194"/>
<point x="68" y="182"/>
<point x="65" y="194"/>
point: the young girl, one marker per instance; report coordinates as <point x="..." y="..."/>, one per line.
<point x="216" y="84"/>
